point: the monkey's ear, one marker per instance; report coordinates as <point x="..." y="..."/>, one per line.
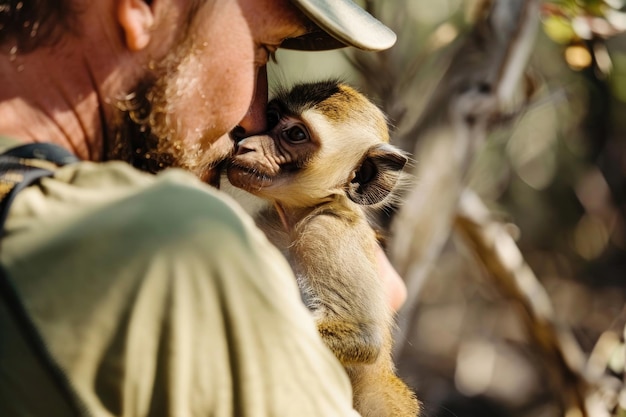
<point x="377" y="175"/>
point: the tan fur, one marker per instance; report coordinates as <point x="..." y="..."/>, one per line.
<point x="319" y="222"/>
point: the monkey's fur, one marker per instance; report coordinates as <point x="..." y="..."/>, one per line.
<point x="323" y="164"/>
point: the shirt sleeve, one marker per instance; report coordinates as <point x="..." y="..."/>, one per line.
<point x="157" y="296"/>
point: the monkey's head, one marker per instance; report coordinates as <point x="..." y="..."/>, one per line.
<point x="324" y="139"/>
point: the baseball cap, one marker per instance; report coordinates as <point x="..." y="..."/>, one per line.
<point x="340" y="23"/>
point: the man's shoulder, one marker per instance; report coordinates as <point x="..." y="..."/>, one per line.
<point x="116" y="180"/>
<point x="111" y="208"/>
<point x="115" y="186"/>
<point x="118" y="176"/>
<point x="118" y="202"/>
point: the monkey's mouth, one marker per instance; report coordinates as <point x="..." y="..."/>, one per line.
<point x="248" y="178"/>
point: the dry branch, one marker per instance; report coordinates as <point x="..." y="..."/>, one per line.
<point x="511" y="275"/>
<point x="480" y="82"/>
<point x="483" y="79"/>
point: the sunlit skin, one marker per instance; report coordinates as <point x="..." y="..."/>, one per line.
<point x="70" y="93"/>
<point x="219" y="90"/>
<point x="72" y="88"/>
<point x="202" y="89"/>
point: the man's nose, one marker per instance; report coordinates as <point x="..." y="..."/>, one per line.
<point x="255" y="120"/>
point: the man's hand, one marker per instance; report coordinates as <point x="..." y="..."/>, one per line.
<point x="394" y="285"/>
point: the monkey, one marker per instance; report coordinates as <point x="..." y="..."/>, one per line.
<point x="324" y="163"/>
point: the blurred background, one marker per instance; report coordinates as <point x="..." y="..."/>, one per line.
<point x="550" y="168"/>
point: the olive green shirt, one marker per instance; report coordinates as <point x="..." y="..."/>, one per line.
<point x="156" y="296"/>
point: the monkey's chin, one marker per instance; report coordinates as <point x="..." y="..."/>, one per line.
<point x="248" y="179"/>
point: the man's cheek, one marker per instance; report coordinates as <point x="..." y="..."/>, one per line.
<point x="223" y="147"/>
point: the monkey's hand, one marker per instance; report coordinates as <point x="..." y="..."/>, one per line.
<point x="352" y="343"/>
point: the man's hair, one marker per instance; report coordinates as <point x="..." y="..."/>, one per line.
<point x="29" y="24"/>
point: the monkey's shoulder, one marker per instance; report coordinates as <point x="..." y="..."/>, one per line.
<point x="338" y="213"/>
<point x="328" y="222"/>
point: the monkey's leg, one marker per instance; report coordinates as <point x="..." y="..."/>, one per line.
<point x="335" y="263"/>
<point x="380" y="393"/>
<point x="377" y="390"/>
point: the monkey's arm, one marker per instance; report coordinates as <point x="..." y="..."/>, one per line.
<point x="334" y="259"/>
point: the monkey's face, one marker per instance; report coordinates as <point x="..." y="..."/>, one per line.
<point x="264" y="163"/>
<point x="325" y="139"/>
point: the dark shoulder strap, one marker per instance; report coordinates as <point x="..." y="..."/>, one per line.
<point x="23" y="165"/>
<point x="20" y="167"/>
<point x="9" y="295"/>
<point x="43" y="152"/>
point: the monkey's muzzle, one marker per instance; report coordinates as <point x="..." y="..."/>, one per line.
<point x="249" y="178"/>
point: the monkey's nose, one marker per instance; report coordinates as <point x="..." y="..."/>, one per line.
<point x="238" y="134"/>
<point x="243" y="148"/>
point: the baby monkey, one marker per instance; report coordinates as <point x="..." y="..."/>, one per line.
<point x="324" y="163"/>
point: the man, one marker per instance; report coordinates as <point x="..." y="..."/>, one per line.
<point x="132" y="294"/>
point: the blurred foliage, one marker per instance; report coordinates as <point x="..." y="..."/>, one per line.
<point x="556" y="176"/>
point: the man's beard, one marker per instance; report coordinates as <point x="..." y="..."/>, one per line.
<point x="143" y="134"/>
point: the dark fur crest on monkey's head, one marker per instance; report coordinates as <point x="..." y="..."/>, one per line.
<point x="301" y="96"/>
<point x="338" y="101"/>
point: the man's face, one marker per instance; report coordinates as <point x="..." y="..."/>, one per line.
<point x="185" y="104"/>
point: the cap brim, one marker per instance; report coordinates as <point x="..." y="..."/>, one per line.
<point x="341" y="23"/>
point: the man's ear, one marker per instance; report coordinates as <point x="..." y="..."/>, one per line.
<point x="377" y="174"/>
<point x="136" y="18"/>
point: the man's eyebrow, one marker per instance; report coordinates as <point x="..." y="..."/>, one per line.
<point x="310" y="26"/>
<point x="307" y="27"/>
<point x="305" y="22"/>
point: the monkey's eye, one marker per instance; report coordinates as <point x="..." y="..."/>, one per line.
<point x="296" y="134"/>
<point x="273" y="117"/>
